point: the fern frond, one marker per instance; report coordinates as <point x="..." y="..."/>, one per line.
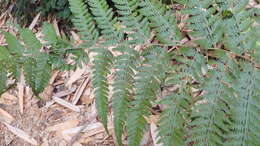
<point x="162" y="21"/>
<point x="137" y="26"/>
<point x="211" y="113"/>
<point x="14" y="46"/>
<point x="205" y="22"/>
<point x="4" y="55"/>
<point x="106" y="21"/>
<point x="3" y="78"/>
<point x="147" y="83"/>
<point x="175" y="104"/>
<point x="37" y="72"/>
<point x="101" y="65"/>
<point x="32" y="44"/>
<point x="171" y="130"/>
<point x="238" y="28"/>
<point x="49" y="33"/>
<point x="125" y="65"/>
<point x="84" y="22"/>
<point x="245" y="130"/>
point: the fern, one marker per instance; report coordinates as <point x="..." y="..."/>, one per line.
<point x="162" y="21"/>
<point x="204" y="95"/>
<point x="245" y="110"/>
<point x="102" y="62"/>
<point x="83" y="22"/>
<point x="123" y="87"/>
<point x="205" y="22"/>
<point x="3" y="79"/>
<point x="171" y="121"/>
<point x="136" y="26"/>
<point x="105" y="21"/>
<point x="32" y="44"/>
<point x="147" y="83"/>
<point x="211" y="117"/>
<point x="14" y="45"/>
<point x="28" y="56"/>
<point x="37" y="73"/>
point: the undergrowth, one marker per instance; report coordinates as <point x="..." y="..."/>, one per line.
<point x="207" y="88"/>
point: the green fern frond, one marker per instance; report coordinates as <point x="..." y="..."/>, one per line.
<point x="245" y="130"/>
<point x="162" y="21"/>
<point x="175" y="105"/>
<point x="171" y="130"/>
<point x="83" y="21"/>
<point x="37" y="72"/>
<point x="4" y="55"/>
<point x="147" y="84"/>
<point x="14" y="46"/>
<point x="106" y="21"/>
<point x="211" y="114"/>
<point x="136" y="26"/>
<point x="101" y="65"/>
<point x="205" y="22"/>
<point x="125" y="65"/>
<point x="3" y="78"/>
<point x="32" y="44"/>
<point x="49" y="33"/>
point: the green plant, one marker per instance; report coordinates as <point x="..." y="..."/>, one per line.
<point x="227" y="109"/>
<point x="29" y="57"/>
<point x="223" y="68"/>
<point x="58" y="8"/>
<point x="207" y="92"/>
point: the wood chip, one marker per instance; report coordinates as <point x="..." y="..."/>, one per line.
<point x="94" y="126"/>
<point x="80" y="90"/>
<point x="53" y="77"/>
<point x="66" y="104"/>
<point x="76" y="38"/>
<point x="21" y="86"/>
<point x="8" y="96"/>
<point x="154" y="133"/>
<point x="56" y="27"/>
<point x="75" y="76"/>
<point x="63" y="126"/>
<point x="6" y="116"/>
<point x="20" y="133"/>
<point x="34" y="21"/>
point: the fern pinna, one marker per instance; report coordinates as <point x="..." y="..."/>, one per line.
<point x="202" y="81"/>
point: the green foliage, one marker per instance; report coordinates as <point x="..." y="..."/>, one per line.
<point x="208" y="94"/>
<point x="147" y="83"/>
<point x="83" y="22"/>
<point x="58" y="8"/>
<point x="102" y="63"/>
<point x="162" y="21"/>
<point x="206" y="91"/>
<point x="125" y="64"/>
<point x="28" y="56"/>
<point x="245" y="111"/>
